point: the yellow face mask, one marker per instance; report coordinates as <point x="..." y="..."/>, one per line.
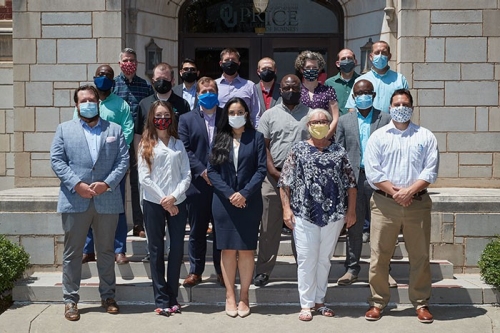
<point x="318" y="131"/>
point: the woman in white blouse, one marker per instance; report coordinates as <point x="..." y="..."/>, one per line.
<point x="164" y="175"/>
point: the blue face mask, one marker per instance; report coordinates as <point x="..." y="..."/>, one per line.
<point x="363" y="102"/>
<point x="380" y="61"/>
<point x="102" y="83"/>
<point x="208" y="100"/>
<point x="88" y="110"/>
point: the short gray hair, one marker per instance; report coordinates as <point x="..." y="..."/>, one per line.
<point x="128" y="50"/>
<point x="312" y="112"/>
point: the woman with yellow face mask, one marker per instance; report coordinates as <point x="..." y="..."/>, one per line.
<point x="315" y="181"/>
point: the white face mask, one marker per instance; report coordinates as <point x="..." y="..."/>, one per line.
<point x="237" y="121"/>
<point x="401" y="114"/>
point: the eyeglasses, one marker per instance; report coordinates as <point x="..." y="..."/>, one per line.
<point x="189" y="69"/>
<point x="319" y="122"/>
<point x="359" y="93"/>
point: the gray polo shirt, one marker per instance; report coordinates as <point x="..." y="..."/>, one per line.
<point x="284" y="128"/>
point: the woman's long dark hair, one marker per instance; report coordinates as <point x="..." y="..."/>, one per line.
<point x="224" y="139"/>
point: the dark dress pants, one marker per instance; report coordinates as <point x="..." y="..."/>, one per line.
<point x="165" y="292"/>
<point x="199" y="207"/>
<point x="354" y="240"/>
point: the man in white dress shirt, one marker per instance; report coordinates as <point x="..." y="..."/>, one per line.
<point x="401" y="160"/>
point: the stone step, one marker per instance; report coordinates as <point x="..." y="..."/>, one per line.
<point x="285" y="269"/>
<point x="136" y="246"/>
<point x="462" y="289"/>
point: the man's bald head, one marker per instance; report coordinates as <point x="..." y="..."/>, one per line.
<point x="105" y="70"/>
<point x="361" y="87"/>
<point x="290" y="80"/>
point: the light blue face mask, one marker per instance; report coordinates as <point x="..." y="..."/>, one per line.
<point x="88" y="110"/>
<point x="363" y="102"/>
<point x="380" y="61"/>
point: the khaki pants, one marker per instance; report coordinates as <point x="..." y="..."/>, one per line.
<point x="388" y="218"/>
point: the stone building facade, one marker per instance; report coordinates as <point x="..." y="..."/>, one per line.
<point x="448" y="50"/>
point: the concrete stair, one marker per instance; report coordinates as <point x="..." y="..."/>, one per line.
<point x="134" y="284"/>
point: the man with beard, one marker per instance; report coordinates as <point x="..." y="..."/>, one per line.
<point x="232" y="85"/>
<point x="114" y="109"/>
<point x="187" y="90"/>
<point x="282" y="126"/>
<point x="90" y="157"/>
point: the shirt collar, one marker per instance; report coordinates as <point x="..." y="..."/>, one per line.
<point x="193" y="87"/>
<point x="392" y="128"/>
<point x="223" y="78"/>
<point x="381" y="75"/>
<point x="84" y="124"/>
<point x="369" y="115"/>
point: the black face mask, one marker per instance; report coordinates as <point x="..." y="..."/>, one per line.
<point x="189" y="77"/>
<point x="267" y="75"/>
<point x="162" y="86"/>
<point x="290" y="97"/>
<point x="230" y="67"/>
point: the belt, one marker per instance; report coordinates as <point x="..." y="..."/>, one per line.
<point x="415" y="196"/>
<point x="362" y="170"/>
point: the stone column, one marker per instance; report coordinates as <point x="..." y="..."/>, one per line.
<point x="57" y="46"/>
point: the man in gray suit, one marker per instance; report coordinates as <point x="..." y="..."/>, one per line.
<point x="90" y="157"/>
<point x="353" y="131"/>
<point x="268" y="90"/>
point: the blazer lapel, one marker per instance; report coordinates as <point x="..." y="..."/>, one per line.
<point x="201" y="123"/>
<point x="355" y="127"/>
<point x="104" y="136"/>
<point x="375" y="120"/>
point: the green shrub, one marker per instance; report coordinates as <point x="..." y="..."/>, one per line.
<point x="14" y="260"/>
<point x="489" y="264"/>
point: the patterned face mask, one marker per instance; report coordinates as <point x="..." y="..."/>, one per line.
<point x="162" y="123"/>
<point x="401" y="114"/>
<point x="311" y="74"/>
<point x="128" y="68"/>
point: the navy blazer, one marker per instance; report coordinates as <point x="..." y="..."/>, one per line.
<point x="193" y="133"/>
<point x="252" y="168"/>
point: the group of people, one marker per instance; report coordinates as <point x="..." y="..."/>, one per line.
<point x="247" y="158"/>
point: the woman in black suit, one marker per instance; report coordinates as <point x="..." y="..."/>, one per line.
<point x="237" y="167"/>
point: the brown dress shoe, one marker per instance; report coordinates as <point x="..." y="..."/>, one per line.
<point x="373" y="313"/>
<point x="71" y="312"/>
<point x="87" y="257"/>
<point x="192" y="280"/>
<point x="424" y="315"/>
<point x="121" y="259"/>
<point x="110" y="305"/>
<point x="220" y="279"/>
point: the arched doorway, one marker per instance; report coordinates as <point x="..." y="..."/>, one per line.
<point x="284" y="29"/>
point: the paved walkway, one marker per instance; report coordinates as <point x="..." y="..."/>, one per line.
<point x="23" y="318"/>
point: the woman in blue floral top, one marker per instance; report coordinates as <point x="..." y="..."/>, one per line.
<point x="315" y="181"/>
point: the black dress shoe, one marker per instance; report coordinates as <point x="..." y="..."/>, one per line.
<point x="87" y="257"/>
<point x="261" y="280"/>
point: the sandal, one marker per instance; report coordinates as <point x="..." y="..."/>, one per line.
<point x="327" y="312"/>
<point x="305" y="315"/>
<point x="174" y="309"/>
<point x="163" y="312"/>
